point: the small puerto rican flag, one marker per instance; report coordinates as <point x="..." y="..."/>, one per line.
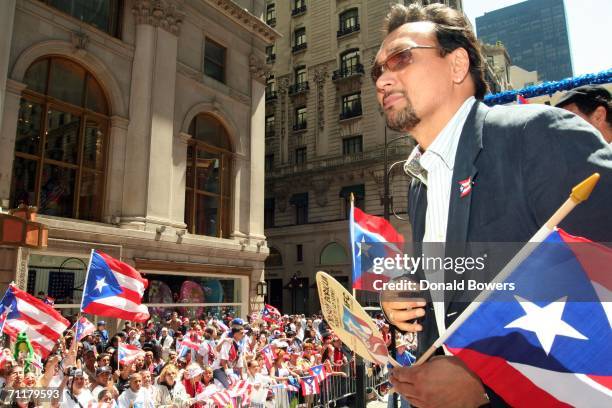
<point x="465" y="187"/>
<point x="127" y="353"/>
<point x="521" y="100"/>
<point x="83" y="327"/>
<point x="319" y="372"/>
<point x="310" y="386"/>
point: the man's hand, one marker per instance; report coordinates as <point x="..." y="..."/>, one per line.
<point x="441" y="382"/>
<point x="401" y="313"/>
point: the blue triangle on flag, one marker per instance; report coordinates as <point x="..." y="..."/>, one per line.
<point x="101" y="281"/>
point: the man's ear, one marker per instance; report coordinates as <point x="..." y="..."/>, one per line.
<point x="460" y="65"/>
<point x="598" y="116"/>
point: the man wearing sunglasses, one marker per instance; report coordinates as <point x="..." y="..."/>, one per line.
<point x="481" y="174"/>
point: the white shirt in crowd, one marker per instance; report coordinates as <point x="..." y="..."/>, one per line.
<point x="131" y="399"/>
<point x="85" y="397"/>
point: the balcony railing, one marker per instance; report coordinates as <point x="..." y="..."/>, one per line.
<point x="299" y="126"/>
<point x="351" y="113"/>
<point x="347" y="30"/>
<point x="298" y="10"/>
<point x="271" y="95"/>
<point x="271" y="22"/>
<point x="347" y="72"/>
<point x="271" y="58"/>
<point x="298" y="88"/>
<point x="299" y="47"/>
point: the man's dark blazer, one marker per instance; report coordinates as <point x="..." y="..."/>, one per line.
<point x="523" y="161"/>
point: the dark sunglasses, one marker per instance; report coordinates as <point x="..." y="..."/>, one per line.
<point x="396" y="61"/>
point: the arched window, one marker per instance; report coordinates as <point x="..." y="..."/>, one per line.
<point x="274" y="258"/>
<point x="61" y="141"/>
<point x="333" y="254"/>
<point x="208" y="186"/>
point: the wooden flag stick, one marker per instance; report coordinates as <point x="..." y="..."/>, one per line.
<point x="579" y="193"/>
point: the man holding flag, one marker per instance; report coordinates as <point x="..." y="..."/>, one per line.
<point x="484" y="175"/>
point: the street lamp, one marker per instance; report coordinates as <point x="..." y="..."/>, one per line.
<point x="262" y="288"/>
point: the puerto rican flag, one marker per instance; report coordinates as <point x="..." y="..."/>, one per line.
<point x="371" y="237"/>
<point x="25" y="313"/>
<point x="292" y="384"/>
<point x="319" y="371"/>
<point x="548" y="342"/>
<point x="242" y="389"/>
<point x="521" y="100"/>
<point x="465" y="187"/>
<point x="358" y="328"/>
<point x="310" y="386"/>
<point x="83" y="327"/>
<point x="127" y="353"/>
<point x="268" y="356"/>
<point x="114" y="289"/>
<point x="270" y="313"/>
<point x="223" y="399"/>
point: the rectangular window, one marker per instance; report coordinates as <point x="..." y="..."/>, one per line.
<point x="358" y="192"/>
<point x="300" y="75"/>
<point x="270" y="126"/>
<point x="271" y="15"/>
<point x="352" y="145"/>
<point x="300" y="118"/>
<point x="269" y="162"/>
<point x="299" y="37"/>
<point x="269" y="212"/>
<point x="300" y="156"/>
<point x="299" y="255"/>
<point x="351" y="106"/>
<point x="101" y="14"/>
<point x="271" y="53"/>
<point x="300" y="202"/>
<point x="214" y="60"/>
<point x="348" y="20"/>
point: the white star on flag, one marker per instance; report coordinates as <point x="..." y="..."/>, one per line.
<point x="100" y="284"/>
<point x="7" y="309"/>
<point x="359" y="244"/>
<point x="545" y="322"/>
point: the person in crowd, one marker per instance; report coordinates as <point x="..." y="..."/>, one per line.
<point x="170" y="392"/>
<point x="104" y="381"/>
<point x="592" y="103"/>
<point x="135" y="395"/>
<point x="75" y="394"/>
<point x="166" y="341"/>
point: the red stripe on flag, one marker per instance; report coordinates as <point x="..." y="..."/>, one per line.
<point x="104" y="310"/>
<point x="378" y="225"/>
<point x="39" y="304"/>
<point x="505" y="380"/>
<point x="594" y="258"/>
<point x="123" y="268"/>
<point x="131" y="296"/>
<point x="604" y="380"/>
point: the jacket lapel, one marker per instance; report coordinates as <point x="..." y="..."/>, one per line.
<point x="464" y="174"/>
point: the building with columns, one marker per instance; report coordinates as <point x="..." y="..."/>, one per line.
<point x="325" y="139"/>
<point x="137" y="128"/>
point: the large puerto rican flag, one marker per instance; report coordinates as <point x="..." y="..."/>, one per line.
<point x="114" y="289"/>
<point x="371" y="237"/>
<point x="549" y="342"/>
<point x="25" y="313"/>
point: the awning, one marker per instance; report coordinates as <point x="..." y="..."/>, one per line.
<point x="358" y="191"/>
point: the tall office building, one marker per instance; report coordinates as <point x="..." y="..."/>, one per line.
<point x="324" y="140"/>
<point x="534" y="33"/>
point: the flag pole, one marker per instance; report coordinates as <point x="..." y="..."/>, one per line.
<point x="86" y="277"/>
<point x="580" y="193"/>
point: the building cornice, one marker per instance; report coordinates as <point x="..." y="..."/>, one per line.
<point x="245" y="19"/>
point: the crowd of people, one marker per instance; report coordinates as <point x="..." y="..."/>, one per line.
<point x="180" y="362"/>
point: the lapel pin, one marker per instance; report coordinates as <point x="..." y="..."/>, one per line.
<point x="465" y="187"/>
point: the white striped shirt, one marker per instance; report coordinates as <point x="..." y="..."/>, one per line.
<point x="439" y="161"/>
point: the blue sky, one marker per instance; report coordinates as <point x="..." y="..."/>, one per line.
<point x="589" y="29"/>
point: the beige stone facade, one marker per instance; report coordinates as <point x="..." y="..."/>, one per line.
<point x="152" y="72"/>
<point x="320" y="63"/>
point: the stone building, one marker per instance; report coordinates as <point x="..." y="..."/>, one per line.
<point x="324" y="140"/>
<point x="137" y="128"/>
